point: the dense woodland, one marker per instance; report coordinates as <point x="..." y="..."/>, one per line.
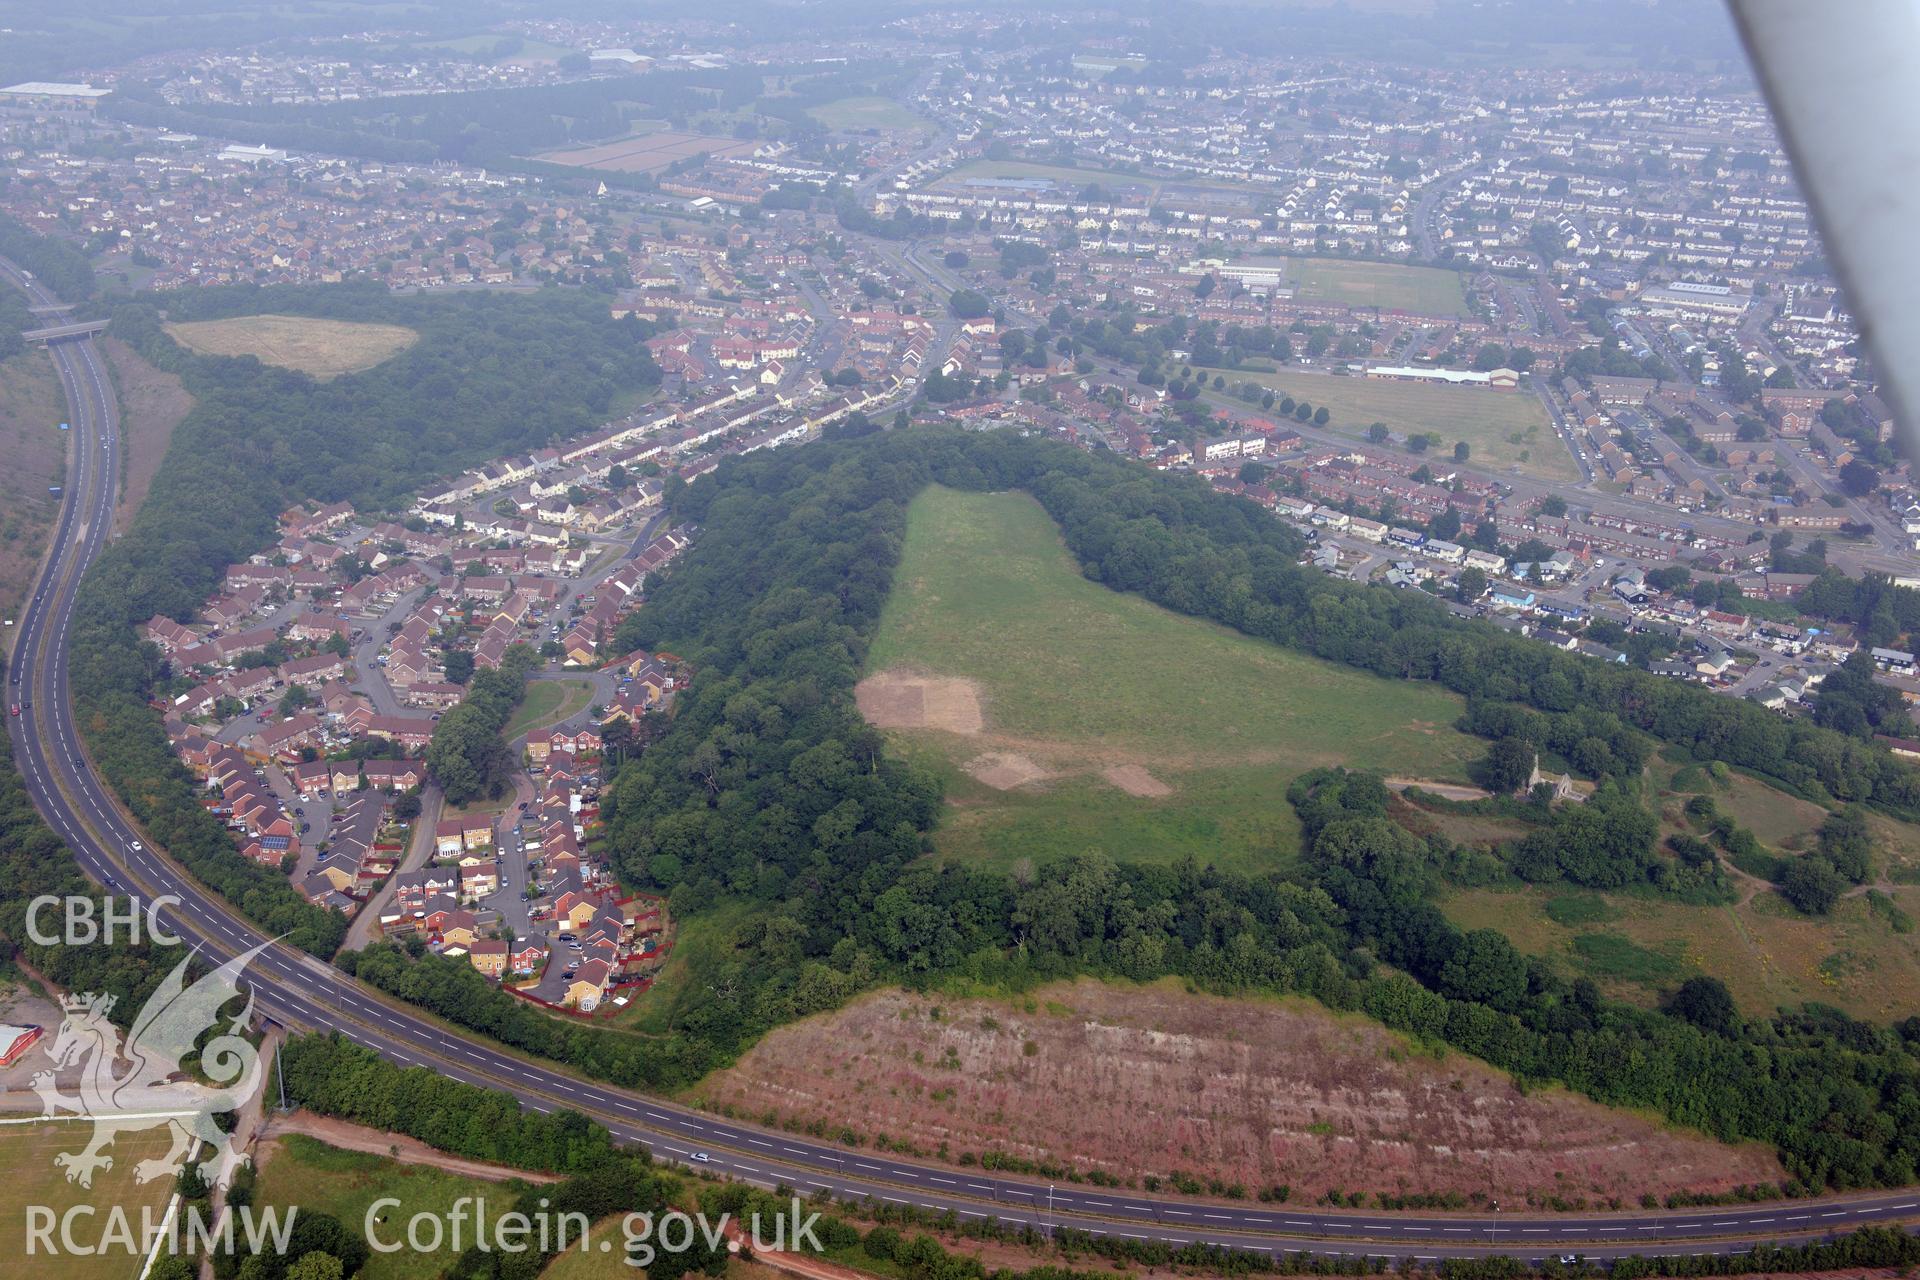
<point x="468" y="757"/>
<point x="15" y="316"/>
<point x="489" y="375"/>
<point x="60" y="265"/>
<point x="333" y="1076"/>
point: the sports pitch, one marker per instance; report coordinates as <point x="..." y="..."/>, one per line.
<point x="1427" y="291"/>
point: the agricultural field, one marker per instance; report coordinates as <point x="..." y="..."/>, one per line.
<point x="32" y="408"/>
<point x="303" y="1171"/>
<point x="1427" y="291"/>
<point x="646" y="152"/>
<point x="1154" y="1080"/>
<point x="323" y="348"/>
<point x="1504" y="430"/>
<point x="883" y="114"/>
<point x="31" y="1178"/>
<point x="1064" y="717"/>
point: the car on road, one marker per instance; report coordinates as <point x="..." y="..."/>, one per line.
<point x="702" y="1157"/>
<point x="16" y="708"/>
<point x="135" y="846"/>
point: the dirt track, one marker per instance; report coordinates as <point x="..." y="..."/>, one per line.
<point x="358" y="1137"/>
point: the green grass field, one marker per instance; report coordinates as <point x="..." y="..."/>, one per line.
<point x="31" y="1178"/>
<point x="525" y="50"/>
<point x="1503" y="429"/>
<point x="1427" y="291"/>
<point x="1638" y="946"/>
<point x="869" y="113"/>
<point x="548" y="702"/>
<point x="322" y="1179"/>
<point x="1070" y="177"/>
<point x="1768" y="954"/>
<point x="1113" y="698"/>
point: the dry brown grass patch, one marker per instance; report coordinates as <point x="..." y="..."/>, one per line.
<point x="905" y="700"/>
<point x="1005" y="770"/>
<point x="322" y="348"/>
<point x="1136" y="781"/>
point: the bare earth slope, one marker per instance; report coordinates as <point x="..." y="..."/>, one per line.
<point x="1155" y="1080"/>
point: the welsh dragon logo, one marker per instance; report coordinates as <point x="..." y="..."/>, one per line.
<point x="150" y="1094"/>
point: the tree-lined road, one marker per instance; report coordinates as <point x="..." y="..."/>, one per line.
<point x="302" y="992"/>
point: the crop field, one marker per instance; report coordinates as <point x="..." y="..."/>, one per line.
<point x="1503" y="429"/>
<point x="1065" y="717"/>
<point x="31" y="1178"/>
<point x="1427" y="291"/>
<point x="1155" y="1080"/>
<point x="883" y="114"/>
<point x="319" y="1178"/>
<point x="646" y="152"/>
<point x="323" y="348"/>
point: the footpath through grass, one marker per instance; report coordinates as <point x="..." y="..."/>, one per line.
<point x="1112" y="699"/>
